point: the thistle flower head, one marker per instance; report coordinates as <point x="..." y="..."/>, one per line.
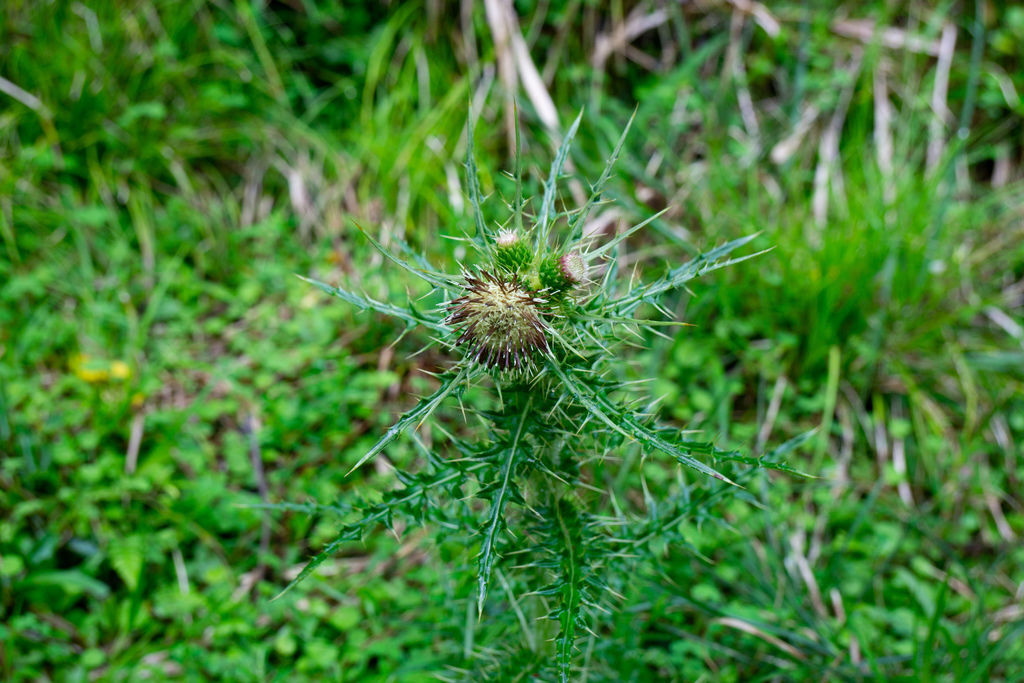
<point x="499" y="322"/>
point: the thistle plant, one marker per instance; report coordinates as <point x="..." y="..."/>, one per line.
<point x="536" y="326"/>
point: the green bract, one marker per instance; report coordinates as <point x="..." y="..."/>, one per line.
<point x="536" y="363"/>
<point x="511" y="252"/>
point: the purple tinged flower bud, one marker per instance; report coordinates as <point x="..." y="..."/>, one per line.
<point x="574" y="270"/>
<point x="560" y="273"/>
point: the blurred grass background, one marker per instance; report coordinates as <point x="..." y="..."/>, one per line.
<point x="166" y="167"/>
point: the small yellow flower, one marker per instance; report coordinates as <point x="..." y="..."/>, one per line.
<point x="120" y="370"/>
<point x="95" y="370"/>
<point x="88" y="369"/>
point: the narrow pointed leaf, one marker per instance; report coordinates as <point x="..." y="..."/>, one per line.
<point x="495" y="522"/>
<point x="517" y="207"/>
<point x="577" y="223"/>
<point x="433" y="277"/>
<point x="571" y="603"/>
<point x="415" y="416"/>
<point x="364" y="303"/>
<point x="677" y="277"/>
<point x="382" y="513"/>
<point x="473" y="182"/>
<point x="349" y="534"/>
<point x="627" y="424"/>
<point x="547" y="204"/>
<point x="612" y="243"/>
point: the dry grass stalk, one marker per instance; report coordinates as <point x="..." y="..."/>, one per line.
<point x="865" y="31"/>
<point x="828" y="171"/>
<point x="516" y="67"/>
<point x="942" y="115"/>
<point x="624" y="33"/>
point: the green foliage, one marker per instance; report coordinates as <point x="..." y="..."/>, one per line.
<point x="167" y="168"/>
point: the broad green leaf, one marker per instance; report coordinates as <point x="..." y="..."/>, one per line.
<point x="126" y="557"/>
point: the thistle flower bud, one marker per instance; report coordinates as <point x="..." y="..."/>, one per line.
<point x="499" y="322"/>
<point x="511" y="252"/>
<point x="559" y="273"/>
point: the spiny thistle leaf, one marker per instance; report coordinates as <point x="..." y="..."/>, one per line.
<point x="517" y="206"/>
<point x="417" y="415"/>
<point x="570" y="604"/>
<point x="677" y="277"/>
<point x="627" y="424"/>
<point x="614" y="242"/>
<point x="473" y="179"/>
<point x="551" y="184"/>
<point x="495" y="521"/>
<point x="381" y="513"/>
<point x="347" y="535"/>
<point x="439" y="280"/>
<point x="765" y="464"/>
<point x="769" y="461"/>
<point x="580" y="219"/>
<point x="409" y="315"/>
